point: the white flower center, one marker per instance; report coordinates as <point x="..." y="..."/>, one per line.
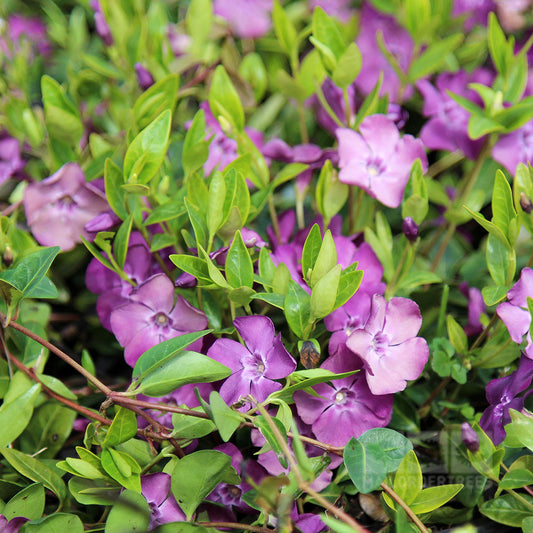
<point x="339" y="397"/>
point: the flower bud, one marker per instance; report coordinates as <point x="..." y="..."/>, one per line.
<point x="410" y="229"/>
<point x="469" y="437"/>
<point x="144" y="78"/>
<point x="525" y="203"/>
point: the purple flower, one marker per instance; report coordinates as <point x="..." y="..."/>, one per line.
<point x="144" y="78"/>
<point x="58" y="207"/>
<point x="247" y="19"/>
<point x="180" y="43"/>
<point x="410" y="229"/>
<point x="391" y="352"/>
<point x="100" y="23"/>
<point x="447" y="127"/>
<point x="22" y="28"/>
<point x="399" y="43"/>
<point x="476" y="306"/>
<point x="378" y="160"/>
<point x="163" y="506"/>
<point x="13" y="525"/>
<point x="502" y="395"/>
<point x="477" y="11"/>
<point x="469" y="437"/>
<point x="10" y="161"/>
<point x="345" y="408"/>
<point x="230" y="496"/>
<point x="154" y="315"/>
<point x="514" y="148"/>
<point x="255" y="365"/>
<point x="515" y="314"/>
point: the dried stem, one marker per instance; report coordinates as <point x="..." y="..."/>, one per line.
<point x="406" y="508"/>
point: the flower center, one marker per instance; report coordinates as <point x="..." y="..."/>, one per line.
<point x="161" y="319"/>
<point x="340" y="397"/>
<point x="260" y="367"/>
<point x="380" y="343"/>
<point x="66" y="201"/>
<point x="375" y="166"/>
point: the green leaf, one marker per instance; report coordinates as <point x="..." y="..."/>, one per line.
<point x="520" y="430"/>
<point x="457" y="335"/>
<point x="122" y="468"/>
<point x="190" y="427"/>
<point x="123" y="428"/>
<point x="36" y="471"/>
<point x="267" y="432"/>
<point x="197" y="474"/>
<point x="326" y="259"/>
<point x="183" y="527"/>
<point x="130" y="512"/>
<point x="195" y="147"/>
<point x="348" y="67"/>
<point x="490" y="227"/>
<point x="501" y="261"/>
<point x="349" y="282"/>
<point x="516" y="479"/>
<point x="56" y="523"/>
<point x="15" y="415"/>
<point x="224" y="100"/>
<point x="161" y="96"/>
<point x="507" y="510"/>
<point x="198" y="21"/>
<point x="503" y="210"/>
<point x="182" y="369"/>
<point x="192" y="265"/>
<point x="277" y="300"/>
<point x="327" y="38"/>
<point x="239" y="267"/>
<point x="93" y="491"/>
<point x="324" y="294"/>
<point x="434" y="497"/>
<point x="497" y="44"/>
<point x="226" y="419"/>
<point x="494" y="295"/>
<point x="284" y="29"/>
<point x="122" y="239"/>
<point x="297" y="308"/>
<point x="311" y="249"/>
<point x="164" y="351"/>
<point x="115" y="195"/>
<point x="373" y="455"/>
<point x="25" y="277"/>
<point x="62" y="118"/>
<point x="147" y="151"/>
<point x="408" y="478"/>
<point x="29" y="502"/>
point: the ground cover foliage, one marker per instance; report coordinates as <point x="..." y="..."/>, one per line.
<point x="266" y="266"/>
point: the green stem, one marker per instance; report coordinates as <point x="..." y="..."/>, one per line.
<point x="326" y="106"/>
<point x="391" y="286"/>
<point x="303" y="124"/>
<point x="519" y="498"/>
<point x="354" y="207"/>
<point x="348" y="110"/>
<point x="482" y="336"/>
<point x="274" y="217"/>
<point x="444" y="163"/>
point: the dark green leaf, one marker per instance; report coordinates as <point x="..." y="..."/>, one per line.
<point x="15" y="415"/>
<point x="297" y="308"/>
<point x="130" y="512"/>
<point x="239" y="267"/>
<point x="123" y="428"/>
<point x="507" y="510"/>
<point x="56" y="523"/>
<point x="29" y="503"/>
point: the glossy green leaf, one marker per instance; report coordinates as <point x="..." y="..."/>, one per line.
<point x="182" y="369"/>
<point x="501" y="261"/>
<point x="130" y="512"/>
<point x="197" y="474"/>
<point x="311" y="248"/>
<point x="297" y="308"/>
<point x="324" y="293"/>
<point x="284" y="29"/>
<point x="122" y="468"/>
<point x="456" y="335"/>
<point x="195" y="147"/>
<point x="147" y="151"/>
<point x="161" y="96"/>
<point x="239" y="267"/>
<point x="29" y="502"/>
<point x="56" y="523"/>
<point x="326" y="259"/>
<point x="122" y="239"/>
<point x="373" y="455"/>
<point x="183" y="527"/>
<point x="349" y="282"/>
<point x="113" y="179"/>
<point x="164" y="351"/>
<point x="348" y="67"/>
<point x="15" y="415"/>
<point x="192" y="265"/>
<point x="123" y="428"/>
<point x="264" y="427"/>
<point x="507" y="510"/>
<point x="224" y="100"/>
<point x="408" y="478"/>
<point x="191" y="427"/>
<point x="434" y="497"/>
<point x="226" y="419"/>
<point x="93" y="492"/>
<point x="516" y="479"/>
<point x="36" y="471"/>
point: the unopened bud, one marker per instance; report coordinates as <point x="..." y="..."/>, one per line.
<point x="469" y="437"/>
<point x="410" y="229"/>
<point x="7" y="256"/>
<point x="525" y="203"/>
<point x="144" y="78"/>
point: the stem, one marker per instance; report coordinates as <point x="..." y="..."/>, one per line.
<point x="234" y="525"/>
<point x="354" y="207"/>
<point x="483" y="335"/>
<point x="444" y="163"/>
<point x="302" y="484"/>
<point x="435" y="393"/>
<point x="464" y="192"/>
<point x="326" y="106"/>
<point x="274" y="217"/>
<point x="303" y="125"/>
<point x="405" y="507"/>
<point x="522" y="500"/>
<point x="62" y="355"/>
<point x="390" y="288"/>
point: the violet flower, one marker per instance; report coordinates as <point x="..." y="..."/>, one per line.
<point x="447" y="127"/>
<point x="57" y="208"/>
<point x="477" y="11"/>
<point x="515" y="147"/>
<point x="13" y="525"/>
<point x="469" y="437"/>
<point x="476" y="307"/>
<point x="515" y="314"/>
<point x="144" y="78"/>
<point x="410" y="229"/>
<point x="163" y="506"/>
<point x="22" y="28"/>
<point x="11" y="164"/>
<point x="152" y="316"/>
<point x="378" y="160"/>
<point x="502" y="395"/>
<point x="391" y="352"/>
<point x="230" y="496"/>
<point x="102" y="28"/>
<point x="342" y="9"/>
<point x="248" y="19"/>
<point x="399" y="43"/>
<point x="346" y="407"/>
<point x="255" y="365"/>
